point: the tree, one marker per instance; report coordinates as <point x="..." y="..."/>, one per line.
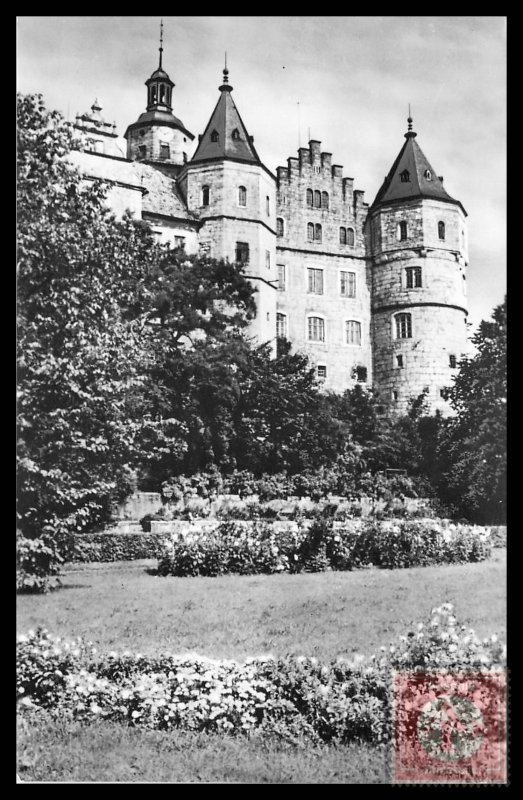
<point x="473" y="445"/>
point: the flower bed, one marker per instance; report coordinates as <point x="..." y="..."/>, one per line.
<point x="342" y="700"/>
<point x="254" y="548"/>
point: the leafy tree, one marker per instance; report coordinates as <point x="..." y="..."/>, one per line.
<point x="473" y="445"/>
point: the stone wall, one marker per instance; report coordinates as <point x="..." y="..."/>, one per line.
<point x="152" y="137"/>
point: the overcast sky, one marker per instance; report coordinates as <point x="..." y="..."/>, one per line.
<point x="353" y="78"/>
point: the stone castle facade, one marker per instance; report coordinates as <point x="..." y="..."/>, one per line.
<point x="374" y="294"/>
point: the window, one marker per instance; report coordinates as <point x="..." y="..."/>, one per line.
<point x="325" y="200"/>
<point x="322" y="372"/>
<point x="310" y="231"/>
<point x="413" y="277"/>
<point x="350" y="236"/>
<point x="179" y="241"/>
<point x="317" y="232"/>
<point x="215" y="136"/>
<point x="268" y="316"/>
<point x="142" y="150"/>
<point x="205" y="195"/>
<point x="353" y="332"/>
<point x="236" y="134"/>
<point x="315" y="280"/>
<point x="242" y="196"/>
<point x="399" y="361"/>
<point x="268" y="259"/>
<point x="453" y="362"/>
<point x="401" y="232"/>
<point x="348" y="284"/>
<point x="242" y="252"/>
<point x="394" y="394"/>
<point x="403" y="326"/>
<point x="428" y="174"/>
<point x="361" y="374"/>
<point x="441" y="230"/>
<point x="343" y="236"/>
<point x="281" y="326"/>
<point x="442" y="393"/>
<point x="309" y="197"/>
<point x="165" y="151"/>
<point x="268" y="206"/>
<point x="282" y="278"/>
<point x="316" y="329"/>
<point x="405" y="176"/>
<point x="317" y="199"/>
<point x="316" y="169"/>
<point x="279" y="226"/>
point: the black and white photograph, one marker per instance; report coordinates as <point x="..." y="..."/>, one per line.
<point x="261" y="400"/>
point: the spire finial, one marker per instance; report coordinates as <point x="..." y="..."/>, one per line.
<point x="410" y="133"/>
<point x="409" y="120"/>
<point x="161" y="43"/>
<point x="225" y="85"/>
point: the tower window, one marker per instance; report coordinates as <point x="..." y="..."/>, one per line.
<point x="442" y="393"/>
<point x="268" y="205"/>
<point x="348" y="284"/>
<point x="399" y="361"/>
<point x="314" y="280"/>
<point x="361" y="374"/>
<point x="405" y="176"/>
<point x="162" y="93"/>
<point x="350" y="236"/>
<point x="316" y="329"/>
<point x="428" y="174"/>
<point x="394" y="394"/>
<point x="279" y="226"/>
<point x="403" y="326"/>
<point x="179" y="241"/>
<point x="413" y="277"/>
<point x="317" y="232"/>
<point x="453" y="362"/>
<point x="401" y="231"/>
<point x="353" y="332"/>
<point x="282" y="278"/>
<point x="165" y="151"/>
<point x="317" y="199"/>
<point x="268" y="259"/>
<point x="325" y="200"/>
<point x="441" y="230"/>
<point x="281" y="326"/>
<point x="142" y="151"/>
<point x="242" y="252"/>
<point x="310" y="231"/>
<point x="322" y="372"/>
<point x="205" y="195"/>
<point x="242" y="196"/>
<point x="310" y="197"/>
<point x="236" y="134"/>
<point x="215" y="137"/>
<point x="343" y="236"/>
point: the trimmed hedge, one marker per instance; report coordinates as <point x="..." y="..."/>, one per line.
<point x="117" y="546"/>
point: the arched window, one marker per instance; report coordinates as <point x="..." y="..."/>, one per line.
<point x="268" y="206"/>
<point x="325" y="200"/>
<point x="310" y="197"/>
<point x="350" y="236"/>
<point x="236" y="134"/>
<point x="441" y="230"/>
<point x="242" y="196"/>
<point x="279" y="226"/>
<point x="317" y="232"/>
<point x="353" y="332"/>
<point x="205" y="195"/>
<point x="403" y="326"/>
<point x="401" y="231"/>
<point x="405" y="176"/>
<point x="428" y="174"/>
<point x="281" y="326"/>
<point x="162" y="93"/>
<point x="310" y="231"/>
<point x="343" y="236"/>
<point x="317" y="199"/>
<point x="215" y="136"/>
<point x="316" y="329"/>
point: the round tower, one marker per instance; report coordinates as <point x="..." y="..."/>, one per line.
<point x="418" y="246"/>
<point x="158" y="137"/>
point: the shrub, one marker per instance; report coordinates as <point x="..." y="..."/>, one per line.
<point x="39" y="560"/>
<point x="105" y="547"/>
<point x="145" y="521"/>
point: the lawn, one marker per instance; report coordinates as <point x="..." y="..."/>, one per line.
<point x="123" y="607"/>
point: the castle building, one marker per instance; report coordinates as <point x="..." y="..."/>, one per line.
<point x="372" y="295"/>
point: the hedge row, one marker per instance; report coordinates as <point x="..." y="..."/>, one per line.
<point x="117" y="547"/>
<point x="339" y="700"/>
<point x="234" y="547"/>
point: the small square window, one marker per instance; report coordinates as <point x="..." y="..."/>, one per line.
<point x="361" y="374"/>
<point x="399" y="361"/>
<point x="453" y="362"/>
<point x="322" y="371"/>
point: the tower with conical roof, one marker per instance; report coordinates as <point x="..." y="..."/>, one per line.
<point x="158" y="137"/>
<point x="416" y="239"/>
<point x="234" y="194"/>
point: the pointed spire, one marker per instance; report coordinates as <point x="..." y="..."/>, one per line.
<point x="161" y="44"/>
<point x="225" y="87"/>
<point x="410" y="133"/>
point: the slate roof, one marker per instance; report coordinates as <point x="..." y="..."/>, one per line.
<point x="224" y="120"/>
<point x="423" y="180"/>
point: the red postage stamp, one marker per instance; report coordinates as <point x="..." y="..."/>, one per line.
<point x="449" y="727"/>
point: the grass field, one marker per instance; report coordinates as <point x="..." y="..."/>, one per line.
<point x="123" y="607"/>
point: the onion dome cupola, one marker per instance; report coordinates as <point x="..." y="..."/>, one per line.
<point x="225" y="136"/>
<point x="158" y="136"/>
